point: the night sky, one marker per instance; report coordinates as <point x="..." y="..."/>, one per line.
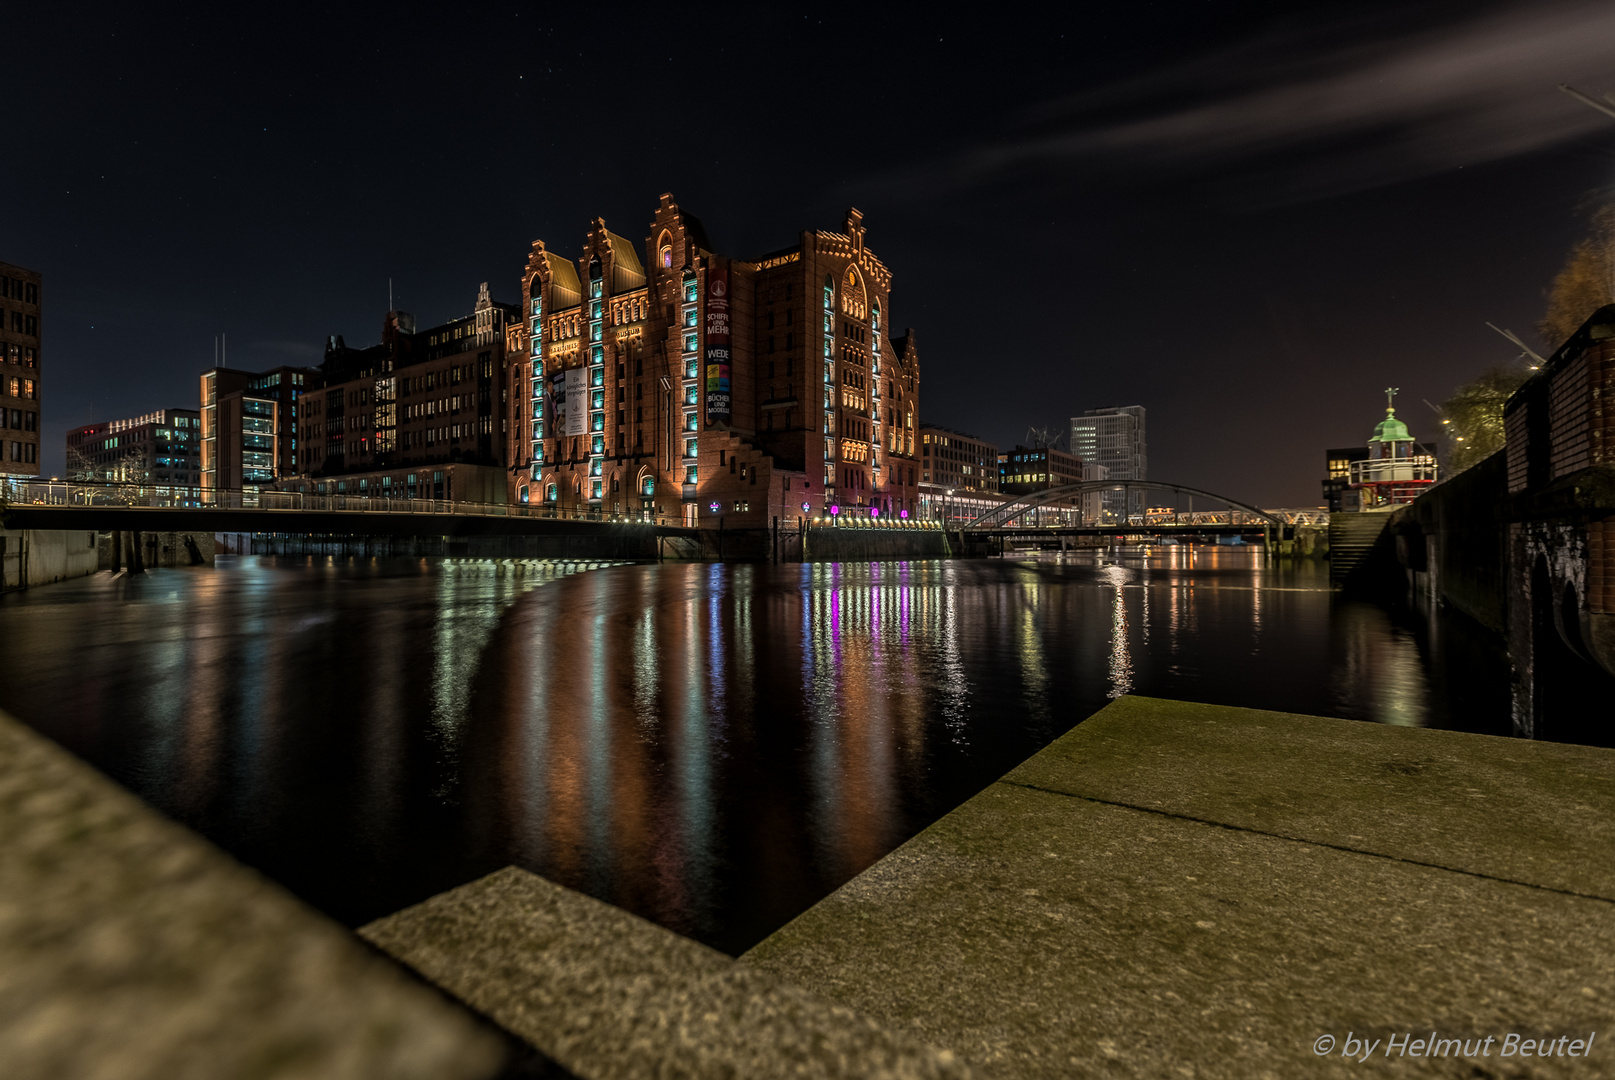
<point x="1249" y="218"/>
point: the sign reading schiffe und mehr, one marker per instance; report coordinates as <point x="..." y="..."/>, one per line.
<point x="717" y="344"/>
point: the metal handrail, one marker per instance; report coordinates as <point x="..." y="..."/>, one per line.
<point x="1393" y="470"/>
<point x="32" y="492"/>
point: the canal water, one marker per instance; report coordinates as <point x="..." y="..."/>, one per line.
<point x="714" y="747"/>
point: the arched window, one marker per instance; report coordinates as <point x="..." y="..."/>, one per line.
<point x="535" y="290"/>
<point x="664" y="251"/>
<point x="550" y="493"/>
<point x="829" y="293"/>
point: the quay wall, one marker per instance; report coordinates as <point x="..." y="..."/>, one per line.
<point x="871" y="545"/>
<point x="31" y="557"/>
<point x="634" y="545"/>
<point x="1452" y="542"/>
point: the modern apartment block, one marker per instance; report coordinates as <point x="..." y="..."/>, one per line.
<point x="162" y="448"/>
<point x="1114" y="437"/>
<point x="713" y="389"/>
<point x="21" y="330"/>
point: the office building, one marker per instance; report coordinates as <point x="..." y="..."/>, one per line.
<point x="249" y="425"/>
<point x="958" y="474"/>
<point x="21" y="331"/>
<point x="1025" y="470"/>
<point x="1113" y="437"/>
<point x="162" y="448"/>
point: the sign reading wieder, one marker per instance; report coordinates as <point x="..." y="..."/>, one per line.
<point x="717" y="349"/>
<point x="577" y="413"/>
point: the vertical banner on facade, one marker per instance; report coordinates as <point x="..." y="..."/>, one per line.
<point x="577" y="413"/>
<point x="558" y="404"/>
<point x="717" y="344"/>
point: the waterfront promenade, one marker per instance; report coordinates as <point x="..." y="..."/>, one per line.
<point x="1169" y="889"/>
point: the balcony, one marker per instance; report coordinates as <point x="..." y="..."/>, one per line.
<point x="1417" y="470"/>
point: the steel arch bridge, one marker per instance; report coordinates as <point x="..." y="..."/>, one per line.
<point x="999" y="517"/>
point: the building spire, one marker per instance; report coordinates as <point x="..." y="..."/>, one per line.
<point x="1390" y="403"/>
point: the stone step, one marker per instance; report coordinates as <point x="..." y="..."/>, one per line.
<point x="610" y="996"/>
<point x="132" y="948"/>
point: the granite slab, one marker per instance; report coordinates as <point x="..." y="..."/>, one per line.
<point x="1535" y="812"/>
<point x="132" y="949"/>
<point x="1040" y="933"/>
<point x="610" y="996"/>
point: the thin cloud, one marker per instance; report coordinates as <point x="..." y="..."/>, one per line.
<point x="1326" y="117"/>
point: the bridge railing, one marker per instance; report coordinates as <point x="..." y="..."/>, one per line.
<point x="162" y="496"/>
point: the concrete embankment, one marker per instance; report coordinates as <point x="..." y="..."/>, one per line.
<point x="130" y="947"/>
<point x="1175" y="889"/>
<point x="1169" y="889"/>
<point x="31" y="557"/>
<point x="1452" y="542"/>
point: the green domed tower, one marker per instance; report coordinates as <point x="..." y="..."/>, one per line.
<point x="1397" y="470"/>
<point x="1391" y="437"/>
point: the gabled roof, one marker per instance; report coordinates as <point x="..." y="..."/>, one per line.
<point x="565" y="289"/>
<point x="627" y="272"/>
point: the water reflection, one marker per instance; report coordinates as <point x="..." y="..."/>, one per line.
<point x="711" y="747"/>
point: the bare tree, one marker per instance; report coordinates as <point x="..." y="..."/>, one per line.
<point x="1586" y="283"/>
<point x="1473" y="416"/>
<point x="130" y="465"/>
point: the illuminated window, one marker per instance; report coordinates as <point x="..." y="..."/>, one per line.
<point x="689" y="474"/>
<point x="667" y="256"/>
<point x="690" y="343"/>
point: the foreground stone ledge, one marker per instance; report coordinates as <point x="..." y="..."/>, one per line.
<point x="610" y="996"/>
<point x="1535" y="812"/>
<point x="130" y="948"/>
<point x="1186" y="890"/>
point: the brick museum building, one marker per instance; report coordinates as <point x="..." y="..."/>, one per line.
<point x="721" y="391"/>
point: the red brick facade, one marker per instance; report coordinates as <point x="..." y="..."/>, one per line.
<point x="822" y="401"/>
